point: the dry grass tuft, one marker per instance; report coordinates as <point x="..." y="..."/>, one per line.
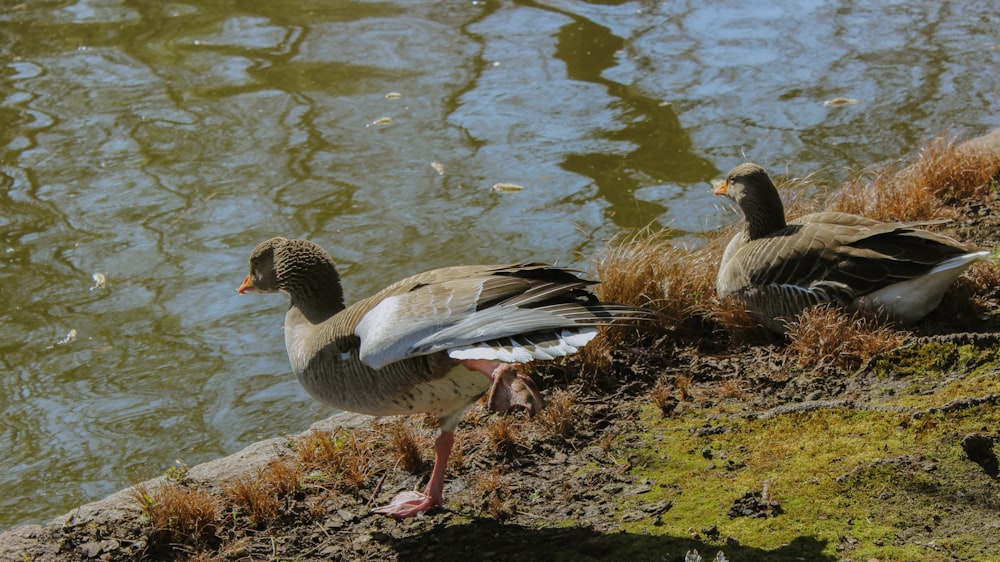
<point x="943" y="172"/>
<point x="260" y="496"/>
<point x="254" y="497"/>
<point x="824" y="335"/>
<point x="662" y="397"/>
<point x="982" y="277"/>
<point x="878" y="193"/>
<point x="732" y="319"/>
<point x="349" y="457"/>
<point x="492" y="493"/>
<point x="558" y="414"/>
<point x="503" y="435"/>
<point x="630" y="268"/>
<point x="320" y="448"/>
<point x="645" y="268"/>
<point x="682" y="384"/>
<point x="405" y="445"/>
<point x="284" y="476"/>
<point x="179" y="514"/>
<point x="630" y="273"/>
<point x="731" y="388"/>
<point x="952" y="172"/>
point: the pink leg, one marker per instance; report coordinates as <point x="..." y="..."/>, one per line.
<point x="510" y="389"/>
<point x="409" y="504"/>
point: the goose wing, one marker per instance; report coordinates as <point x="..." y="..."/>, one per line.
<point x="841" y="251"/>
<point x="508" y="306"/>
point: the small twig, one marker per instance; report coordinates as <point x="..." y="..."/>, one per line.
<point x="375" y="492"/>
<point x="322" y="528"/>
<point x="329" y="540"/>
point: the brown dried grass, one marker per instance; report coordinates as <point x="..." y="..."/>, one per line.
<point x="943" y="172"/>
<point x="405" y="446"/>
<point x="178" y="514"/>
<point x="492" y="493"/>
<point x="254" y="497"/>
<point x="645" y="268"/>
<point x="825" y="335"/>
<point x="504" y="435"/>
<point x="557" y="417"/>
<point x="283" y="475"/>
<point x="731" y="388"/>
<point x="682" y="385"/>
<point x="878" y="194"/>
<point x="260" y="496"/>
<point x="952" y="172"/>
<point x="347" y="457"/>
<point x="982" y="277"/>
<point x="732" y="319"/>
<point x="662" y="397"/>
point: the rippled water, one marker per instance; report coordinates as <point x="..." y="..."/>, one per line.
<point x="155" y="143"/>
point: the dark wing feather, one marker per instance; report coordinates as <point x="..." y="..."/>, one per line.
<point x="470" y="306"/>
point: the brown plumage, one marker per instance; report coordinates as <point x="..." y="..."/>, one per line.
<point x="777" y="269"/>
<point x="431" y="343"/>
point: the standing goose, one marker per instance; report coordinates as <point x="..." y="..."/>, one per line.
<point x="431" y="343"/>
<point x="777" y="269"/>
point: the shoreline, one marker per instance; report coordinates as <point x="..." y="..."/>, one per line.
<point x="17" y="540"/>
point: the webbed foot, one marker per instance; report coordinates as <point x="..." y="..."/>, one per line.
<point x="513" y="390"/>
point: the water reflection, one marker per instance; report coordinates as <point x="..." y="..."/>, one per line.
<point x="662" y="150"/>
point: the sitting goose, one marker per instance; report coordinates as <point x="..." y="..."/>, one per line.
<point x="431" y="343"/>
<point x="777" y="269"/>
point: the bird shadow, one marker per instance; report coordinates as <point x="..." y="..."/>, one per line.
<point x="489" y="539"/>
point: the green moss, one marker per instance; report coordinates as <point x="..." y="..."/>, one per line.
<point x="854" y="481"/>
<point x="936" y="359"/>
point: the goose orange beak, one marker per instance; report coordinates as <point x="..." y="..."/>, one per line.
<point x="247" y="286"/>
<point x="721" y="190"/>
